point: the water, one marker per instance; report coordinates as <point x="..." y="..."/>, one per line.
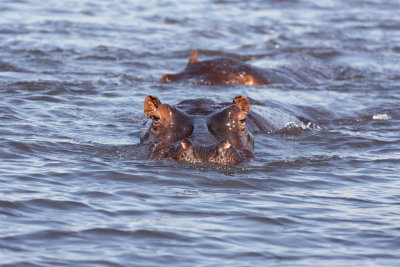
<point x="77" y="188"/>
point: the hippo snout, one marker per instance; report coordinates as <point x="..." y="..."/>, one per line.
<point x="222" y="153"/>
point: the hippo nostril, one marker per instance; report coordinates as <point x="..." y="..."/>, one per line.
<point x="155" y="130"/>
<point x="224" y="144"/>
<point x="185" y="144"/>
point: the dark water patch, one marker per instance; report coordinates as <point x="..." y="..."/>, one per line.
<point x="99" y="58"/>
<point x="176" y="21"/>
<point x="124" y="176"/>
<point x="389" y="161"/>
<point x="7" y="213"/>
<point x="357" y="143"/>
<point x="210" y="54"/>
<point x="62" y="51"/>
<point x="350" y="201"/>
<point x="34" y="52"/>
<point x="345" y="73"/>
<point x="44" y="99"/>
<point x="54" y="262"/>
<point x="379" y="239"/>
<point x="23" y="263"/>
<point x="61" y="27"/>
<point x="95" y="195"/>
<point x="157" y="236"/>
<point x="49" y="178"/>
<point x="356" y="177"/>
<point x="161" y="235"/>
<point x="30" y="147"/>
<point x="48" y="235"/>
<point x="9" y="208"/>
<point x="19" y="209"/>
<point x="131" y="213"/>
<point x="12" y="29"/>
<point x="54" y="88"/>
<point x="10" y="113"/>
<point x="227" y="170"/>
<point x="186" y="213"/>
<point x="271" y="221"/>
<point x="5" y="67"/>
<point x="133" y="193"/>
<point x="134" y="64"/>
<point x="324" y="53"/>
<point x="19" y="147"/>
<point x="314" y="161"/>
<point x="260" y="179"/>
<point x="115" y="53"/>
<point x="55" y="204"/>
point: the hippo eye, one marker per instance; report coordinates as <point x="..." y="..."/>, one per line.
<point x="242" y="124"/>
<point x="155" y="119"/>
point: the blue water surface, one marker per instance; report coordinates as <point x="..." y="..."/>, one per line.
<point x="77" y="187"/>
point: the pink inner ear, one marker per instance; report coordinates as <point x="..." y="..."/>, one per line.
<point x="243" y="103"/>
<point x="151" y="103"/>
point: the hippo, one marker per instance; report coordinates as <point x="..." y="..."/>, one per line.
<point x="201" y="130"/>
<point x="217" y="72"/>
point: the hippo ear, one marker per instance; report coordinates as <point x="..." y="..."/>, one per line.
<point x="248" y="80"/>
<point x="164" y="79"/>
<point x="243" y="103"/>
<point x="151" y="103"/>
<point x="193" y="57"/>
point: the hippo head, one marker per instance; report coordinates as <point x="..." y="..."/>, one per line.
<point x="169" y="124"/>
<point x="199" y="131"/>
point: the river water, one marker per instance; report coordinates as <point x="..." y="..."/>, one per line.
<point x="76" y="187"/>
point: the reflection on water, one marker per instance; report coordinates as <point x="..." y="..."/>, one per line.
<point x="77" y="188"/>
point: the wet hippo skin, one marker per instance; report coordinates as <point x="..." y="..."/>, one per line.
<point x="217" y="71"/>
<point x="200" y="130"/>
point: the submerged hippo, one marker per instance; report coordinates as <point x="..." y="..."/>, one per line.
<point x="201" y="130"/>
<point x="218" y="71"/>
